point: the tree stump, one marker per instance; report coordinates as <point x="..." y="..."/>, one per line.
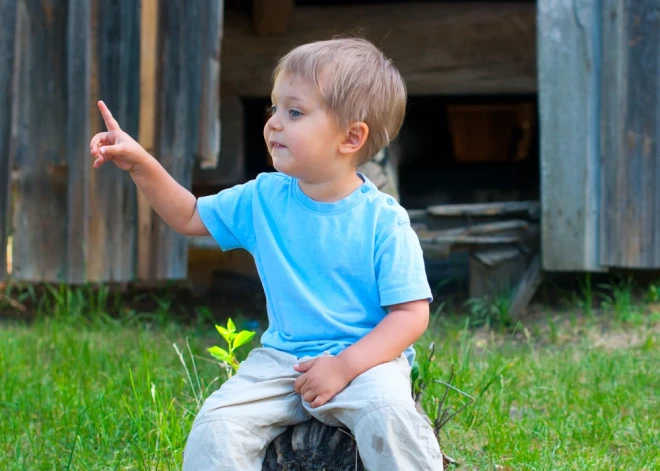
<point x="313" y="446"/>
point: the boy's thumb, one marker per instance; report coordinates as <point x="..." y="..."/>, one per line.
<point x="304" y="366"/>
<point x="111" y="151"/>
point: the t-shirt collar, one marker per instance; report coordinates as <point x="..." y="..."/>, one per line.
<point x="349" y="201"/>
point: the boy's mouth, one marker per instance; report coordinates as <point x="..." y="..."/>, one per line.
<point x="277" y="145"/>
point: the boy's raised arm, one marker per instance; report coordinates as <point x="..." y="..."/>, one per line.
<point x="174" y="203"/>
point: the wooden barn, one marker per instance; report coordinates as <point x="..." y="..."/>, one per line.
<point x="530" y="142"/>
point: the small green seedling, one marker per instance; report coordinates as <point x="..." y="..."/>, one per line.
<point x="234" y="340"/>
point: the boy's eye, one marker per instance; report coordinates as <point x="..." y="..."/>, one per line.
<point x="273" y="109"/>
<point x="295" y="113"/>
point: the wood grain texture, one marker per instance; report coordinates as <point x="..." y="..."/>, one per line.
<point x="115" y="77"/>
<point x="7" y="30"/>
<point x="569" y="95"/>
<point x="179" y="95"/>
<point x="630" y="129"/>
<point x="39" y="144"/>
<point x="209" y="105"/>
<point x="147" y="129"/>
<point x="78" y="136"/>
<point x="440" y="48"/>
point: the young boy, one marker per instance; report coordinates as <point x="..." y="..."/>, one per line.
<point x="342" y="270"/>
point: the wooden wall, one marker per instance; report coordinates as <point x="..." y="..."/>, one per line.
<point x="630" y="225"/>
<point x="599" y="95"/>
<point x="7" y="27"/>
<point x="71" y="223"/>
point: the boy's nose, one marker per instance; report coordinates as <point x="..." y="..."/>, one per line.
<point x="274" y="123"/>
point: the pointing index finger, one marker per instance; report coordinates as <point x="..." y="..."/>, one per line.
<point x="110" y="122"/>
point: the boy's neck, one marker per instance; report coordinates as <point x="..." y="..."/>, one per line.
<point x="332" y="190"/>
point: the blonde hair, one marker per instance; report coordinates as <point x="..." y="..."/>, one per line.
<point x="359" y="84"/>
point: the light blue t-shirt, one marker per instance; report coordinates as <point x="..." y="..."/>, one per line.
<point x="328" y="269"/>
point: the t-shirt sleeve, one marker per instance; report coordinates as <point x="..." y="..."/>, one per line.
<point x="400" y="269"/>
<point x="228" y="216"/>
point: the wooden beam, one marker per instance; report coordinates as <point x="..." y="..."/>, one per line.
<point x="440" y="48"/>
<point x="7" y="29"/>
<point x="526" y="288"/>
<point x="486" y="209"/>
<point x="271" y="16"/>
<point x="147" y="128"/>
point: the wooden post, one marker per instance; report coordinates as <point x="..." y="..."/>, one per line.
<point x="147" y="132"/>
<point x="7" y="30"/>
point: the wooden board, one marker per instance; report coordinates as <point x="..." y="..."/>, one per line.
<point x="115" y="75"/>
<point x="630" y="201"/>
<point x="569" y="95"/>
<point x="230" y="167"/>
<point x="39" y="142"/>
<point x="147" y="129"/>
<point x="7" y="29"/>
<point x="78" y="136"/>
<point x="209" y="106"/>
<point x="440" y="48"/>
<point x="179" y="95"/>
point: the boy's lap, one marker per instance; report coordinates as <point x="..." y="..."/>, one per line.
<point x="262" y="391"/>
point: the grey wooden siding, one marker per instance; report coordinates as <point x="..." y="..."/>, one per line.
<point x="599" y="93"/>
<point x="631" y="129"/>
<point x="7" y="27"/>
<point x="569" y="94"/>
<point x="72" y="223"/>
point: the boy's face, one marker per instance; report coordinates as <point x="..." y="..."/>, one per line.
<point x="302" y="138"/>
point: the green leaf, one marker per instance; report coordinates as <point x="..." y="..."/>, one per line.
<point x="224" y="332"/>
<point x="220" y="354"/>
<point x="230" y="326"/>
<point x="242" y="338"/>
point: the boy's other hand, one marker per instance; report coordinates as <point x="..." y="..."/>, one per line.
<point x="115" y="145"/>
<point x="324" y="377"/>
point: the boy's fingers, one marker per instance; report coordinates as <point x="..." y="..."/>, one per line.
<point x="109" y="152"/>
<point x="110" y="122"/>
<point x="100" y="138"/>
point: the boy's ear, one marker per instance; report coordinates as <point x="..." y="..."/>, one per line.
<point x="355" y="138"/>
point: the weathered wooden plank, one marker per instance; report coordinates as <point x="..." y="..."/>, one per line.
<point x="209" y="106"/>
<point x="178" y="97"/>
<point x="440" y="48"/>
<point x="147" y="129"/>
<point x="485" y="209"/>
<point x="39" y="142"/>
<point x="7" y="30"/>
<point x="569" y="94"/>
<point x="78" y="98"/>
<point x="114" y="79"/>
<point x="526" y="288"/>
<point x="230" y="166"/>
<point x="630" y="127"/>
<point x="495" y="279"/>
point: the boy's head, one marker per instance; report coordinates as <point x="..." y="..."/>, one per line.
<point x="354" y="85"/>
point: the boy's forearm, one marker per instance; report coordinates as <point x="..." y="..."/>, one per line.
<point x="396" y="332"/>
<point x="173" y="202"/>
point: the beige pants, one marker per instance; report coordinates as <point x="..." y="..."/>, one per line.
<point x="238" y="421"/>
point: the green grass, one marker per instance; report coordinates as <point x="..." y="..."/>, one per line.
<point x="88" y="392"/>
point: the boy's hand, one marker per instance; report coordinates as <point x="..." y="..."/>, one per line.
<point x="115" y="145"/>
<point x="324" y="377"/>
